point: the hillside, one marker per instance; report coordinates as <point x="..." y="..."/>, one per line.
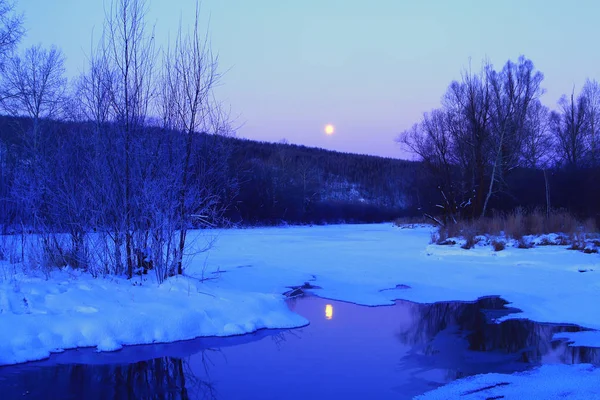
<point x="264" y="183"/>
<point x="285" y="182"/>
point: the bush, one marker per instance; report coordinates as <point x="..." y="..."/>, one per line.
<point x="498" y="245"/>
<point x="524" y="243"/>
<point x="577" y="241"/>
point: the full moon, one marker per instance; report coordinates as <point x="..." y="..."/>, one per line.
<point x="329" y="129"/>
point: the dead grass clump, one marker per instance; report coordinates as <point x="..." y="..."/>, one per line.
<point x="535" y="223"/>
<point x="514" y="225"/>
<point x="524" y="243"/>
<point x="560" y="221"/>
<point x="411" y="221"/>
<point x="498" y="245"/>
<point x="577" y="240"/>
<point x="470" y="239"/>
<point x="589" y="226"/>
<point x="455" y="230"/>
<point x="495" y="225"/>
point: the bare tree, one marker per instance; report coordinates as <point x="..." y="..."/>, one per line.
<point x="11" y="29"/>
<point x="481" y="133"/>
<point x="591" y="94"/>
<point x="568" y="127"/>
<point x="128" y="57"/>
<point x="537" y="142"/>
<point x="93" y="91"/>
<point x="468" y="104"/>
<point x="513" y="90"/>
<point x="33" y="85"/>
<point x="432" y="142"/>
<point x="190" y="109"/>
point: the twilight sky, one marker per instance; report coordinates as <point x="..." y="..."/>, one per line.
<point x="368" y="67"/>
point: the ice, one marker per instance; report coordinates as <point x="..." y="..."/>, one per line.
<point x="548" y="382"/>
<point x="249" y="269"/>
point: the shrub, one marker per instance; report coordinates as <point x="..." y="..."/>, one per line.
<point x="524" y="243"/>
<point x="577" y="241"/>
<point x="469" y="243"/>
<point x="498" y="245"/>
<point x="563" y="240"/>
<point x="471" y="238"/>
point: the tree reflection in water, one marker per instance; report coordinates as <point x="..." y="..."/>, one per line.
<point x="452" y="336"/>
<point x="165" y="378"/>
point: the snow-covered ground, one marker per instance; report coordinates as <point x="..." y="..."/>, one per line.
<point x="549" y="382"/>
<point x="364" y="264"/>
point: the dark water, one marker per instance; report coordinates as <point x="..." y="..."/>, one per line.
<point x="347" y="351"/>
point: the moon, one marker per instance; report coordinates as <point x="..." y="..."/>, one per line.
<point x="329" y="129"/>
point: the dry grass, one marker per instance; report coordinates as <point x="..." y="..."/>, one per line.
<point x="498" y="245"/>
<point x="519" y="224"/>
<point x="411" y="221"/>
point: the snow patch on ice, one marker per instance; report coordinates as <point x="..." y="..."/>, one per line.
<point x="580" y="339"/>
<point x="548" y="382"/>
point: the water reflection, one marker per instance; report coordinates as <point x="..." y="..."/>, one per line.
<point x="328" y="311"/>
<point x="462" y="339"/>
<point x="528" y="341"/>
<point x="384" y="352"/>
<point x="165" y="378"/>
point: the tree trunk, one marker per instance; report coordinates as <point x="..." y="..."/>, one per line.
<point x="547" y="187"/>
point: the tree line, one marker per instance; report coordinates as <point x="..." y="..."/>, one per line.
<point x="280" y="182"/>
<point x="491" y="134"/>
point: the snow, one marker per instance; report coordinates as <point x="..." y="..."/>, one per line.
<point x="579" y="339"/>
<point x="249" y="269"/>
<point x="358" y="263"/>
<point x="548" y="382"/>
<point x="38" y="317"/>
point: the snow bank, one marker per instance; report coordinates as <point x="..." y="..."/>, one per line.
<point x="38" y="317"/>
<point x="548" y="382"/>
